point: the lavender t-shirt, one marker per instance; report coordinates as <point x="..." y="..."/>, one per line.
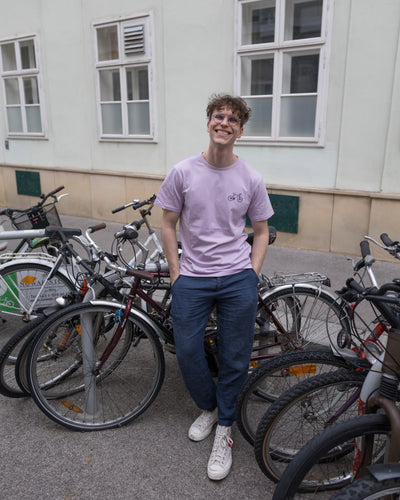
<point x="213" y="203"/>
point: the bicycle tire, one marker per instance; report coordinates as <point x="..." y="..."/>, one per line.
<point x="128" y="383"/>
<point x="310" y="316"/>
<point x="20" y="371"/>
<point x="21" y="286"/>
<point x="306" y="474"/>
<point x="8" y="355"/>
<point x="275" y="376"/>
<point x="369" y="488"/>
<point x="300" y="414"/>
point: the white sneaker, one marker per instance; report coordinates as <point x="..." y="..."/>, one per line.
<point x="202" y="426"/>
<point x="220" y="462"/>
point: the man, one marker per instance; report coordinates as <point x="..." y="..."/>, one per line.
<point x="210" y="194"/>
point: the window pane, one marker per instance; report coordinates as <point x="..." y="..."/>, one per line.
<point x="33" y="120"/>
<point x="298" y="116"/>
<point x="137" y="84"/>
<point x="303" y="19"/>
<point x="110" y="85"/>
<point x="27" y="49"/>
<point x="107" y="43"/>
<point x="12" y="91"/>
<point x="261" y="117"/>
<point x="14" y="119"/>
<point x="139" y="118"/>
<point x="262" y="75"/>
<point x="258" y="22"/>
<point x="31" y="90"/>
<point x="257" y="75"/>
<point x="8" y="57"/>
<point x="111" y="117"/>
<point x="300" y="73"/>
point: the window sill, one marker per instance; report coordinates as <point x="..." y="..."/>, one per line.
<point x="296" y="142"/>
<point x="144" y="140"/>
<point x="27" y="136"/>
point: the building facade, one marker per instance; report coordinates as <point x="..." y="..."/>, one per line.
<point x="104" y="97"/>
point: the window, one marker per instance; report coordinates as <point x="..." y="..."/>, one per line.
<point x="281" y="68"/>
<point x="22" y="87"/>
<point x="125" y="78"/>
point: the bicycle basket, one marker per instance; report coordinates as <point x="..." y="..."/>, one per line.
<point x="37" y="218"/>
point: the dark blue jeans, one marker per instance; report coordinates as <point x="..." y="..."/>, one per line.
<point x="235" y="298"/>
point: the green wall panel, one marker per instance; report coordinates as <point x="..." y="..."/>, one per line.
<point x="286" y="215"/>
<point x="28" y="183"/>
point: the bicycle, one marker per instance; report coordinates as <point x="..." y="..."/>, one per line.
<point x="39" y="216"/>
<point x="263" y="386"/>
<point x="157" y="254"/>
<point x="361" y="441"/>
<point x="71" y="377"/>
<point x="300" y="408"/>
<point x="29" y="284"/>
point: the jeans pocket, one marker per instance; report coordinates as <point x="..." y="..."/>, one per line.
<point x="256" y="275"/>
<point x="175" y="282"/>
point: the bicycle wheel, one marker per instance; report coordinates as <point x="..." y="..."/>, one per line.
<point x="306" y="313"/>
<point x="8" y="355"/>
<point x="308" y="473"/>
<point x="301" y="413"/>
<point x="275" y="376"/>
<point x="25" y="291"/>
<point x="64" y="373"/>
<point x="369" y="488"/>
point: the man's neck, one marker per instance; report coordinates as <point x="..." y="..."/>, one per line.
<point x="219" y="157"/>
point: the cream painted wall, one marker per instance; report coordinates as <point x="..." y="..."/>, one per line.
<point x="370" y="70"/>
<point x="193" y="54"/>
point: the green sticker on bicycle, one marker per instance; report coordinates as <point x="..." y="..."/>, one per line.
<point x="9" y="293"/>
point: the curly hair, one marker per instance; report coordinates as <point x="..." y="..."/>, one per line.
<point x="235" y="104"/>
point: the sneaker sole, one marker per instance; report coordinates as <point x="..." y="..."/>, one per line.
<point x="217" y="476"/>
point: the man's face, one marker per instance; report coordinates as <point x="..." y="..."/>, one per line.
<point x="224" y="127"/>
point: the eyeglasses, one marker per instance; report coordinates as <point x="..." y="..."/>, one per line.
<point x="232" y="120"/>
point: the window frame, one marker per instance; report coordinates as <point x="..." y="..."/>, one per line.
<point x="20" y="74"/>
<point x="123" y="63"/>
<point x="277" y="49"/>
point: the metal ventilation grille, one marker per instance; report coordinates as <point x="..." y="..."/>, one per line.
<point x="134" y="39"/>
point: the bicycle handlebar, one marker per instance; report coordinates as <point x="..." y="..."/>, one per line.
<point x="9" y="211"/>
<point x="52" y="193"/>
<point x="380" y="299"/>
<point x="392" y="247"/>
<point x="365" y="250"/>
<point x="98" y="227"/>
<point x="135" y="204"/>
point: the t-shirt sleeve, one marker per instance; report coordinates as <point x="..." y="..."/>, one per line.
<point x="260" y="207"/>
<point x="170" y="195"/>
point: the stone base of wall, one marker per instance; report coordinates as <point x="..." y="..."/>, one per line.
<point x="328" y="220"/>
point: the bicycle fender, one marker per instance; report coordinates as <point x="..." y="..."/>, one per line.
<point x="270" y="291"/>
<point x="137" y="313"/>
<point x="381" y="472"/>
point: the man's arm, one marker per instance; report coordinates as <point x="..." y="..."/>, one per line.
<point x="170" y="243"/>
<point x="260" y="244"/>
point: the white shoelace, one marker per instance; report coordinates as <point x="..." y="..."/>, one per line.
<point x="222" y="444"/>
